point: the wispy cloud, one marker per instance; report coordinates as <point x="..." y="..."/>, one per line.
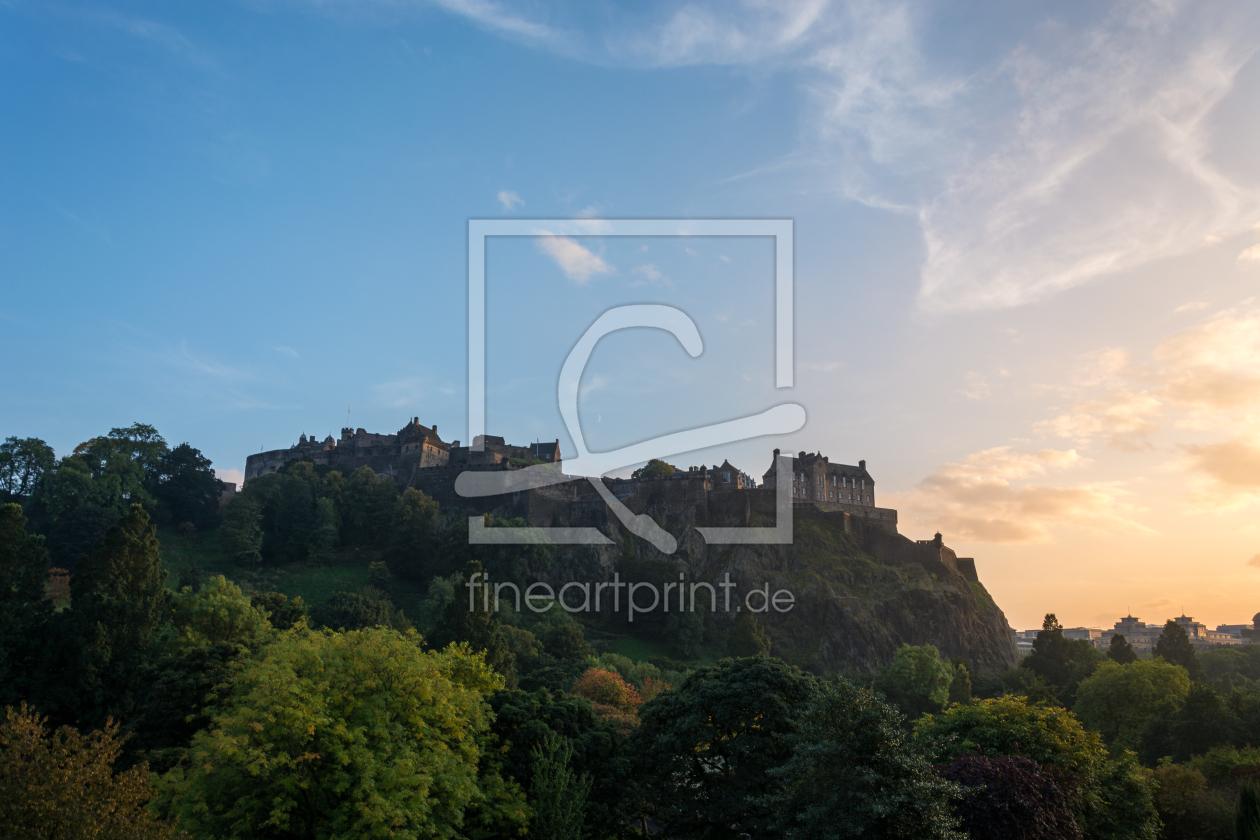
<point x="500" y="18"/>
<point x="286" y="351"/>
<point x="576" y="261"/>
<point x="649" y="274"/>
<point x="202" y="364"/>
<point x="986" y="497"/>
<point x="509" y="199"/>
<point x="1254" y="562"/>
<point x="1250" y="257"/>
<point x="1089" y="145"/>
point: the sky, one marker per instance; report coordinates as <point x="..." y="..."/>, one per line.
<point x="1026" y="249"/>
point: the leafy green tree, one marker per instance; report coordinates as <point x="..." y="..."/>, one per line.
<point x="186" y="488"/>
<point x="557" y="794"/>
<point x="1120" y="701"/>
<point x="479" y="628"/>
<point x="359" y="610"/>
<point x="1049" y="735"/>
<point x="62" y="784"/>
<point x="1062" y="662"/>
<point x="654" y="468"/>
<point x="325" y="537"/>
<point x="119" y="604"/>
<point x="241" y="531"/>
<point x="1120" y="651"/>
<point x="1011" y="798"/>
<point x="282" y="611"/>
<point x="702" y="751"/>
<point x="23" y="464"/>
<point x="1174" y="646"/>
<point x="564" y="640"/>
<point x="526" y="721"/>
<point x="181" y="686"/>
<point x="345" y="735"/>
<point x="218" y="612"/>
<point x="411" y="541"/>
<point x="917" y="681"/>
<point x="1201" y="721"/>
<point x="854" y="772"/>
<point x="1114" y="797"/>
<point x="367" y="508"/>
<point x="960" y="685"/>
<point x="748" y="637"/>
<point x="24" y="612"/>
<point x="141" y="445"/>
<point x="1235" y="665"/>
<point x="1247" y="819"/>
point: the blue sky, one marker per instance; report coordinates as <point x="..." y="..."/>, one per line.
<point x="1026" y="257"/>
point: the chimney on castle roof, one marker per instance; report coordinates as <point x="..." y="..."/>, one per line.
<point x="802" y="455"/>
<point x="861" y="465"/>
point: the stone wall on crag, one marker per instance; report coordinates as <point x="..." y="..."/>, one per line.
<point x="862" y="589"/>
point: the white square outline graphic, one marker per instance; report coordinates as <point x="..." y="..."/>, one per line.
<point x="480" y="229"/>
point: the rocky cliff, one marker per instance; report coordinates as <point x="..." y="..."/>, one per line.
<point x="860" y="591"/>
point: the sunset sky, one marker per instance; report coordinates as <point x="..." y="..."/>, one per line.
<point x="1027" y="248"/>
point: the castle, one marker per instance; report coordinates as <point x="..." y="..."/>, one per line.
<point x="417" y="457"/>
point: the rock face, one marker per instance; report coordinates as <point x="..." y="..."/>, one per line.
<point x="860" y="592"/>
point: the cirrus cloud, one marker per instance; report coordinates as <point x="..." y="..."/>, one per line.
<point x="986" y="497"/>
<point x="577" y="262"/>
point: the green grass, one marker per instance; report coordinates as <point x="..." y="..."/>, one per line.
<point x="313" y="583"/>
<point x="639" y="650"/>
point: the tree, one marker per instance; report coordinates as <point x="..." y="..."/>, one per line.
<point x="324" y="536"/>
<point x="917" y="681"/>
<point x="960" y="685"/>
<point x="63" y="785"/>
<point x="282" y="611"/>
<point x="1201" y="721"/>
<point x="556" y="793"/>
<point x="748" y="637"/>
<point x="1247" y="819"/>
<point x="24" y="611"/>
<point x="341" y="735"/>
<point x="240" y="533"/>
<point x="140" y="444"/>
<point x="479" y="628"/>
<point x="186" y="488"/>
<point x="23" y="464"/>
<point x="218" y="612"/>
<point x="614" y="699"/>
<point x="356" y="611"/>
<point x="1174" y="645"/>
<point x="654" y="468"/>
<point x="1120" y="651"/>
<point x="1062" y="662"/>
<point x="411" y="541"/>
<point x="854" y="772"/>
<point x="1120" y="701"/>
<point x="1114" y="797"/>
<point x="367" y="508"/>
<point x="702" y="751"/>
<point x="1011" y="798"/>
<point x="181" y="686"/>
<point x="524" y="722"/>
<point x="119" y="604"/>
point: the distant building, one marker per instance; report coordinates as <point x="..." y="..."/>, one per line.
<point x="1143" y="637"/>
